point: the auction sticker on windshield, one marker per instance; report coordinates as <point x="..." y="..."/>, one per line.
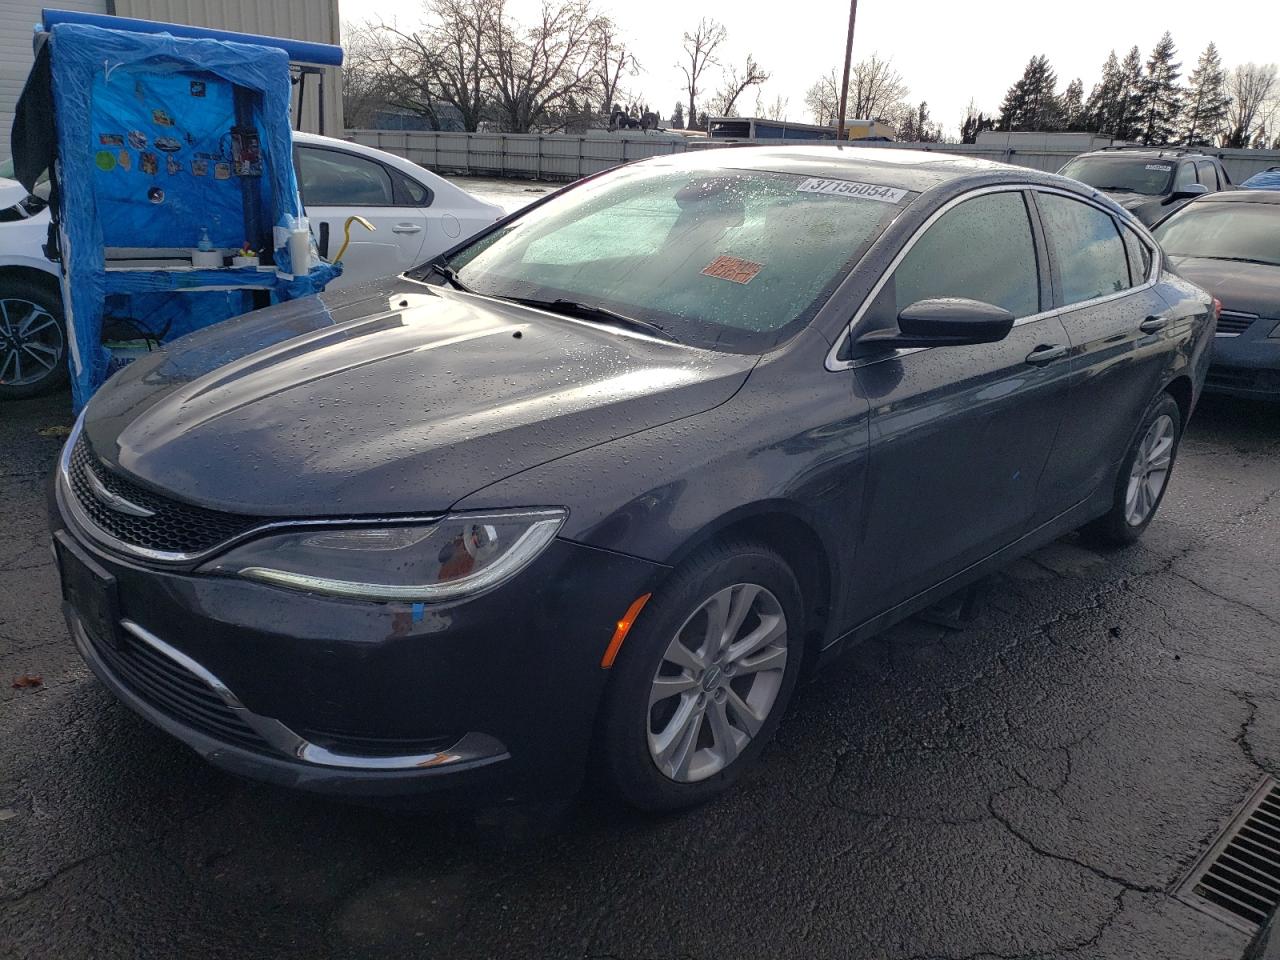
<point x="851" y="188"/>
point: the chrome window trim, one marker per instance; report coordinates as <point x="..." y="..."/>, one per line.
<point x="67" y="501"/>
<point x="833" y="364"/>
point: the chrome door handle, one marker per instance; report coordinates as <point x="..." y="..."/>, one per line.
<point x="406" y="228"/>
<point x="1047" y="353"/>
<point x="1153" y="324"/>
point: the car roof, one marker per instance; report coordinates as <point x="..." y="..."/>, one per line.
<point x="915" y="170"/>
<point x="1241" y="196"/>
<point x="1151" y="153"/>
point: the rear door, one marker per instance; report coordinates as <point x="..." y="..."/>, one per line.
<point x="959" y="435"/>
<point x="1118" y="325"/>
<point x="336" y="184"/>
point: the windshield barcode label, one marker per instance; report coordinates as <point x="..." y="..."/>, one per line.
<point x="851" y="188"/>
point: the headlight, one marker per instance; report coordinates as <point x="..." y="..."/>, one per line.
<point x="461" y="555"/>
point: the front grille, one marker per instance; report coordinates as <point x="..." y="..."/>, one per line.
<point x="175" y="527"/>
<point x="1233" y="324"/>
<point x="1239" y="879"/>
<point x="175" y="692"/>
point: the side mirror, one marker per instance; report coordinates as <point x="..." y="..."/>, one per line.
<point x="944" y="322"/>
<point x="1190" y="190"/>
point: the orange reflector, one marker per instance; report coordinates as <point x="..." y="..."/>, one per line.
<point x="624" y="627"/>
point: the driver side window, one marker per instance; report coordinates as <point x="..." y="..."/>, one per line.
<point x="981" y="249"/>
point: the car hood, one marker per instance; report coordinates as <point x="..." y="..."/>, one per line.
<point x="394" y="398"/>
<point x="1246" y="287"/>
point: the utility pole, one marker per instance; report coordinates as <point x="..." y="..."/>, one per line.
<point x="848" y="54"/>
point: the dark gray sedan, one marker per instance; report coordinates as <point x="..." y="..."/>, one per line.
<point x="597" y="487"/>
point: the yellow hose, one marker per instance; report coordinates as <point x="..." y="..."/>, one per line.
<point x="346" y="234"/>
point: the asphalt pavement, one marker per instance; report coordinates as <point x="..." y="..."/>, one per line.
<point x="1032" y="785"/>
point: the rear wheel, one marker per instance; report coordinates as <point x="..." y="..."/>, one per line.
<point x="33" y="339"/>
<point x="1144" y="476"/>
<point x="703" y="679"/>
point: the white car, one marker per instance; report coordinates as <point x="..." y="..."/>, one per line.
<point x="416" y="215"/>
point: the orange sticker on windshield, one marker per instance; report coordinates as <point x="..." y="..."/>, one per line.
<point x="732" y="268"/>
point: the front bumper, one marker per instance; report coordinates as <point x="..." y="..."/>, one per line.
<point x="477" y="701"/>
<point x="1247" y="365"/>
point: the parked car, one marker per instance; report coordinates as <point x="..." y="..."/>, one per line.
<point x="597" y="486"/>
<point x="416" y="215"/>
<point x="1149" y="183"/>
<point x="1268" y="179"/>
<point x="1229" y="243"/>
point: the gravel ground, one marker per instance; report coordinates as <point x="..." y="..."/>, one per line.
<point x="1033" y="785"/>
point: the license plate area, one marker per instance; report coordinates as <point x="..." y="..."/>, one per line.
<point x="89" y="589"/>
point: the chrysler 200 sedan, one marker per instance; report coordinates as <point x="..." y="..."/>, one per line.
<point x="593" y="490"/>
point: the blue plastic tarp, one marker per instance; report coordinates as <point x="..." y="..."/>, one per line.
<point x="146" y="160"/>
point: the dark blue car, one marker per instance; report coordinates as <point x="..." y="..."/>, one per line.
<point x="1229" y="243"/>
<point x="597" y="487"/>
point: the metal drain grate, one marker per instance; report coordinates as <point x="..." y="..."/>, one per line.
<point x="1238" y="880"/>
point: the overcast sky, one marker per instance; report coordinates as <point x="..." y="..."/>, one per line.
<point x="946" y="52"/>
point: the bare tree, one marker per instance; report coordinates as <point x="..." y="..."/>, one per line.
<point x="735" y="84"/>
<point x="363" y="87"/>
<point x="441" y="63"/>
<point x="822" y="100"/>
<point x="1251" y="87"/>
<point x="876" y="90"/>
<point x="774" y="110"/>
<point x="700" y="52"/>
<point x="614" y="60"/>
<point x="539" y="72"/>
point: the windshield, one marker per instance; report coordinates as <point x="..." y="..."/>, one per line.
<point x="733" y="259"/>
<point x="1224" y="231"/>
<point x="1122" y="174"/>
<point x="6" y="168"/>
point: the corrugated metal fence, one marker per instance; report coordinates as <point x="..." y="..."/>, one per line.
<point x="560" y="157"/>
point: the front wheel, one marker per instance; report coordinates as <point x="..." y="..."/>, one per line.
<point x="703" y="679"/>
<point x="1144" y="476"/>
<point x="33" y="339"/>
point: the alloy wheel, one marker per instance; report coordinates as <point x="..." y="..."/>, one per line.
<point x="1150" y="471"/>
<point x="31" y="342"/>
<point x="717" y="683"/>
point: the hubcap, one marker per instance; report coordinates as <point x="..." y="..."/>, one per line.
<point x="31" y="343"/>
<point x="717" y="682"/>
<point x="1150" y="471"/>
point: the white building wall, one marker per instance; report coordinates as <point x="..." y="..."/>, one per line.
<point x="18" y="19"/>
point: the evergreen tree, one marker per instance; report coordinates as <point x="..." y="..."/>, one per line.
<point x="1205" y="108"/>
<point x="1160" y="97"/>
<point x="1127" y="117"/>
<point x="1071" y="106"/>
<point x="1030" y="104"/>
<point x="677" y="117"/>
<point x="1100" y="110"/>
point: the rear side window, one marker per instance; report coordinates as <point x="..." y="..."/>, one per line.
<point x="981" y="249"/>
<point x="333" y="178"/>
<point x="409" y="192"/>
<point x="1086" y="248"/>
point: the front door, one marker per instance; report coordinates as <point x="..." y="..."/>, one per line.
<point x="959" y="435"/>
<point x="336" y="184"/>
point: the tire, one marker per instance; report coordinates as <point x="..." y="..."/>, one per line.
<point x="33" y="339"/>
<point x="645" y="753"/>
<point x="1143" y="478"/>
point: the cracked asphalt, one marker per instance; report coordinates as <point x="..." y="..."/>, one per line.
<point x="1032" y="785"/>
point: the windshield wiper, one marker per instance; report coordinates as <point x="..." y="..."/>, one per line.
<point x="588" y="311"/>
<point x="450" y="275"/>
<point x="1265" y="263"/>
